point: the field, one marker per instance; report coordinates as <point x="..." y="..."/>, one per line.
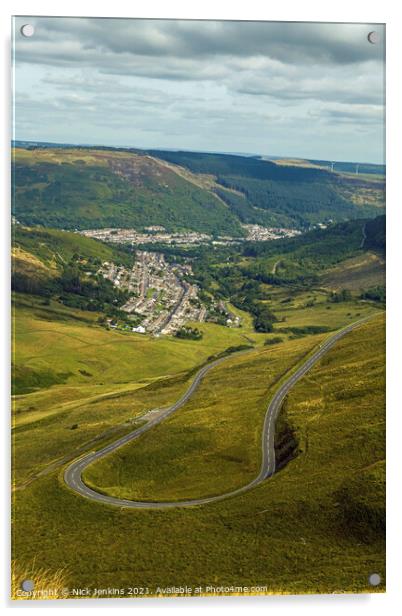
<point x="299" y="313"/>
<point x="287" y="535"/>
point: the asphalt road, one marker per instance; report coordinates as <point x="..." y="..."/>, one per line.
<point x="73" y="473"/>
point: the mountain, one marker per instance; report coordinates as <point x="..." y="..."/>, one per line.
<point x="83" y="187"/>
<point x="287" y="194"/>
<point x="90" y="188"/>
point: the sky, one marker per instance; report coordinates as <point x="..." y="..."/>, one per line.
<point x="303" y="90"/>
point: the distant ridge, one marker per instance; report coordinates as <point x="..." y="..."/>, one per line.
<point x="340" y="165"/>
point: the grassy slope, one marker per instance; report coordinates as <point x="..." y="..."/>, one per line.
<point x="357" y="273"/>
<point x="213" y="444"/>
<point x="86" y="188"/>
<point x="69" y="361"/>
<point x="288" y="533"/>
<point x="73" y="363"/>
<point x="313" y="251"/>
<point x="39" y="255"/>
<point x="280" y="194"/>
<point x="313" y="265"/>
<point x="28" y="266"/>
<point x="322" y="313"/>
<point x="49" y="245"/>
<point x="69" y="340"/>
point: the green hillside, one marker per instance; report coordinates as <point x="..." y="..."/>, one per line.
<point x="318" y="248"/>
<point x="316" y="526"/>
<point x="53" y="247"/>
<point x="263" y="192"/>
<point x="301" y="260"/>
<point x="306" y="281"/>
<point x="64" y="266"/>
<point x="90" y="188"/>
<point x="40" y="256"/>
<point x="213" y="444"/>
<point x="78" y="188"/>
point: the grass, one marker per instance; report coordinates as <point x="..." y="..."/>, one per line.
<point x="290" y="533"/>
<point x="48" y="584"/>
<point x="69" y="341"/>
<point x="42" y="331"/>
<point x="82" y="374"/>
<point x="72" y="365"/>
<point x="362" y="272"/>
<point x="43" y="440"/>
<point x="300" y="307"/>
<point x="324" y="314"/>
<point x="51" y="246"/>
<point x="213" y="443"/>
<point x="73" y="188"/>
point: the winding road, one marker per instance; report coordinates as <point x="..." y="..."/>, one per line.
<point x="73" y="473"/>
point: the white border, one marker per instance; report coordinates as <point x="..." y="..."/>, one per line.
<point x="286" y="10"/>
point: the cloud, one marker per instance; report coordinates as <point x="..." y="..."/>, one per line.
<point x="232" y="86"/>
<point x="356" y="115"/>
<point x="353" y="84"/>
<point x="296" y="43"/>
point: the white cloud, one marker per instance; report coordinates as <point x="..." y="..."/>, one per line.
<point x="225" y="86"/>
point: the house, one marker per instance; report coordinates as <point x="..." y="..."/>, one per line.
<point x="140" y="329"/>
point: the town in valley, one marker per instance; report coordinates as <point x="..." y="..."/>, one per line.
<point x="157" y="234"/>
<point x="161" y="297"/>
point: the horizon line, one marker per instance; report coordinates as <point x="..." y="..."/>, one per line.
<point x="222" y="152"/>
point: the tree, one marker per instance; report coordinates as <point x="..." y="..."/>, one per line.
<point x="263" y="320"/>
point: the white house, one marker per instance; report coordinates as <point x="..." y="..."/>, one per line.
<point x="140" y="329"/>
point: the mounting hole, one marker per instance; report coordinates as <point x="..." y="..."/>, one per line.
<point x="27" y="585"/>
<point x="373" y="37"/>
<point x="27" y="30"/>
<point x="374" y="579"/>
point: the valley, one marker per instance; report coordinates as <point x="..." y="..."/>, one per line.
<point x="112" y="326"/>
<point x="198" y="301"/>
<point x="213" y="194"/>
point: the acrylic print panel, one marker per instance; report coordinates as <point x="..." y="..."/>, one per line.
<point x="198" y="308"/>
